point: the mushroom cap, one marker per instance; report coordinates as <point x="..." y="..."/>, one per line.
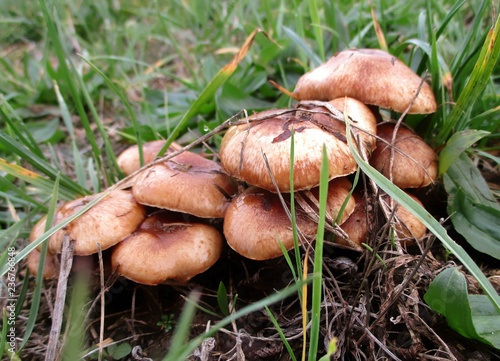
<point x="415" y="163"/>
<point x="112" y="219"/>
<point x="255" y="223"/>
<point x="338" y="191"/>
<point x="363" y="120"/>
<point x="50" y="269"/>
<point x="243" y="146"/>
<point x="356" y="225"/>
<point x="187" y="183"/>
<point x="370" y="75"/>
<point x="407" y="226"/>
<point x="164" y="248"/>
<point x="129" y="161"/>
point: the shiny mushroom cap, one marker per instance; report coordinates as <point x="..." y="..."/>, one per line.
<point x="129" y="160"/>
<point x="187" y="183"/>
<point x="372" y="76"/>
<point x="415" y="163"/>
<point x="164" y="248"/>
<point x="356" y="226"/>
<point x="255" y="223"/>
<point x="112" y="219"/>
<point x="244" y="146"/>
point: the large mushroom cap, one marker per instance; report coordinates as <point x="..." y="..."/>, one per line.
<point x="244" y="146"/>
<point x="165" y="248"/>
<point x="255" y="223"/>
<point x="415" y="163"/>
<point x="129" y="160"/>
<point x="187" y="183"/>
<point x="107" y="223"/>
<point x="372" y="76"/>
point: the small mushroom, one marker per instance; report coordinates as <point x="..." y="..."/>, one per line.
<point x="165" y="247"/>
<point x="415" y="163"/>
<point x="364" y="122"/>
<point x="107" y="223"/>
<point x="129" y="161"/>
<point x="372" y="76"/>
<point x="51" y="267"/>
<point x="356" y="226"/>
<point x="187" y="183"/>
<point x="244" y="146"/>
<point x="407" y="226"/>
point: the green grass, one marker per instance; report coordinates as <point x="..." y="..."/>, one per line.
<point x="81" y="80"/>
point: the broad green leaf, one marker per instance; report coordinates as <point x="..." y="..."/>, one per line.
<point x="472" y="207"/>
<point x="464" y="174"/>
<point x="472" y="316"/>
<point x="458" y="143"/>
<point x="478" y="223"/>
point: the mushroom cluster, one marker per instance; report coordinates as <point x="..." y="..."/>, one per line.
<point x="167" y="213"/>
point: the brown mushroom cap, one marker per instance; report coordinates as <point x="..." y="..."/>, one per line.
<point x="415" y="163"/>
<point x="255" y="223"/>
<point x="50" y="268"/>
<point x="107" y="223"/>
<point x="338" y="191"/>
<point x="407" y="226"/>
<point x="164" y="248"/>
<point x="129" y="161"/>
<point x="370" y="75"/>
<point x="356" y="226"/>
<point x="187" y="183"/>
<point x="363" y="120"/>
<point x="243" y="147"/>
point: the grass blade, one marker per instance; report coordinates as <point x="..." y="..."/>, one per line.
<point x="318" y="261"/>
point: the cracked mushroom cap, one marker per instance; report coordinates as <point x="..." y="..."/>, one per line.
<point x="255" y="223"/>
<point x="415" y="163"/>
<point x="243" y="146"/>
<point x="186" y="183"/>
<point x="129" y="162"/>
<point x="372" y="76"/>
<point x="108" y="222"/>
<point x="167" y="248"/>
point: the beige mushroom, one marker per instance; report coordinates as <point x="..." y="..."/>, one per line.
<point x="165" y="247"/>
<point x="129" y="161"/>
<point x="107" y="223"/>
<point x="244" y="146"/>
<point x="415" y="163"/>
<point x="187" y="183"/>
<point x="370" y="75"/>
